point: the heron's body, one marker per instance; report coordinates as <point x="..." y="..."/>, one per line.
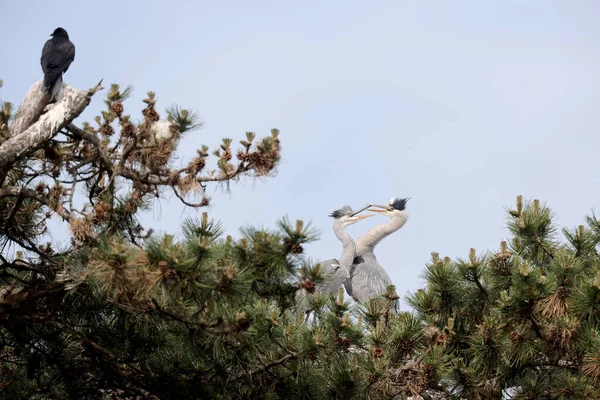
<point x="57" y="55"/>
<point x="334" y="276"/>
<point x="368" y="279"/>
<point x="334" y="271"/>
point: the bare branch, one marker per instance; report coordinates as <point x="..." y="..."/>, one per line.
<point x="30" y="109"/>
<point x="71" y="104"/>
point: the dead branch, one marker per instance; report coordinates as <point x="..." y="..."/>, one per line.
<point x="31" y="108"/>
<point x="70" y="105"/>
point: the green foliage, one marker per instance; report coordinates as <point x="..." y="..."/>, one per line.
<point x="186" y="120"/>
<point x="524" y="319"/>
<point x="122" y="314"/>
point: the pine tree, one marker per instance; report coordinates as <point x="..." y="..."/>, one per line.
<point x="123" y="313"/>
<point x="522" y="321"/>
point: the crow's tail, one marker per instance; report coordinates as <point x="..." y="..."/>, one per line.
<point x="52" y="83"/>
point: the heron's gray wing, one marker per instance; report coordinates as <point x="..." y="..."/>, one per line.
<point x="333" y="277"/>
<point x="369" y="279"/>
<point x="333" y="274"/>
<point x="348" y="286"/>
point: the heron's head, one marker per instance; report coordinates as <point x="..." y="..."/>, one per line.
<point x="395" y="208"/>
<point x="346" y="216"/>
<point x="60" y="32"/>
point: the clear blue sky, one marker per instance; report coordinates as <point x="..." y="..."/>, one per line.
<point x="462" y="105"/>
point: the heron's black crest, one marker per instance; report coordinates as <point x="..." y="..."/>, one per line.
<point x="60" y="32"/>
<point x="339" y="213"/>
<point x="398" y="204"/>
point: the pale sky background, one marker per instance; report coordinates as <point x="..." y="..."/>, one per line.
<point x="461" y="105"/>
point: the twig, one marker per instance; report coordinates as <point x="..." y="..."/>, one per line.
<point x="272" y="364"/>
<point x="195" y="205"/>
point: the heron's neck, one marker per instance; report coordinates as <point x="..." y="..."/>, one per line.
<point x="348" y="246"/>
<point x="368" y="241"/>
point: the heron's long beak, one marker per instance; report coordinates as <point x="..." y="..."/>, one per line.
<point x="359" y="211"/>
<point x="383" y="208"/>
<point x="359" y="217"/>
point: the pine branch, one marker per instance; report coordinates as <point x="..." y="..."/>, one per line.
<point x="480" y="287"/>
<point x="23" y="192"/>
<point x="126" y="372"/>
<point x="107" y="163"/>
<point x="154" y="179"/>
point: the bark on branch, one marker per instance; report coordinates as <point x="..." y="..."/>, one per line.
<point x="70" y="105"/>
<point x="23" y="192"/>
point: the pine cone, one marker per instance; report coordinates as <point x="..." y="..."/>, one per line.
<point x="530" y="395"/>
<point x="377" y="352"/>
<point x="107" y="130"/>
<point x="117" y="107"/>
<point x="167" y="272"/>
<point x="224" y="284"/>
<point x="227" y="155"/>
<point x="127" y="130"/>
<point x="151" y="114"/>
<point x="297" y="249"/>
<point x="406" y="345"/>
<point x="309" y="285"/>
<point x="241" y="155"/>
<point x="442" y="339"/>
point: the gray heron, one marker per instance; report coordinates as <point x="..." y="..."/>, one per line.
<point x="368" y="279"/>
<point x="335" y="271"/>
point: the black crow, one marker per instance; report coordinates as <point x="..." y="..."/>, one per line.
<point x="58" y="53"/>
